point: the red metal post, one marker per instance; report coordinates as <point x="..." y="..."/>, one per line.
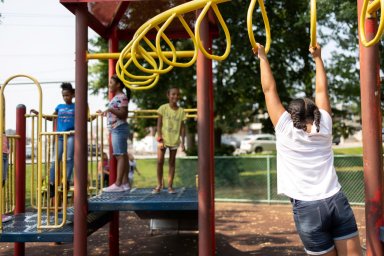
<point x="114" y="225"/>
<point x="20" y="169"/>
<point x="372" y="141"/>
<point x="81" y="113"/>
<point x="206" y="146"/>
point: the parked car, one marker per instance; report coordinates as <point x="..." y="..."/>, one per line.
<point x="336" y="140"/>
<point x="28" y="151"/>
<point x="258" y="143"/>
<point x="230" y="141"/>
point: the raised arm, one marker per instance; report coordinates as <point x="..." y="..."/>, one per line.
<point x="274" y="106"/>
<point x="121" y="113"/>
<point x="49" y="118"/>
<point x="321" y="92"/>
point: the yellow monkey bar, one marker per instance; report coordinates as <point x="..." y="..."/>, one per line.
<point x="367" y="10"/>
<point x="374" y="6"/>
<point x="313" y="24"/>
<point x="266" y="24"/>
<point x="152" y="69"/>
<point x="165" y="64"/>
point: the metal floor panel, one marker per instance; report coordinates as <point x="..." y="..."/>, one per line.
<point x="23" y="228"/>
<point x="142" y="199"/>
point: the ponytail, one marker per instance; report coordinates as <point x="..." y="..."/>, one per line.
<point x="67" y="87"/>
<point x="303" y="111"/>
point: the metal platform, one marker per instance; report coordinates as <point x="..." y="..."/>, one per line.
<point x="23" y="228"/>
<point x="185" y="199"/>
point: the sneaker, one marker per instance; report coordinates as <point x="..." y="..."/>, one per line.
<point x="126" y="187"/>
<point x="171" y="191"/>
<point x="113" y="188"/>
<point x="156" y="190"/>
<point x="6" y="218"/>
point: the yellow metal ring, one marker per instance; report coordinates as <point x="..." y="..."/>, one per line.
<point x="363" y="16"/>
<point x="313" y="24"/>
<point x="266" y="25"/>
<point x="223" y="25"/>
<point x="135" y="50"/>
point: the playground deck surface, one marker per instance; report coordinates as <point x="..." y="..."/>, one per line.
<point x="241" y="229"/>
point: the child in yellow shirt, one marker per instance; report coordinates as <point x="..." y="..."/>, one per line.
<point x="170" y="127"/>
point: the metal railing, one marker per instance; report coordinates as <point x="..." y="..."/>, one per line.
<point x="9" y="195"/>
<point x="54" y="210"/>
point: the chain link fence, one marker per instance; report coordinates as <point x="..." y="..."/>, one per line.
<point x="253" y="178"/>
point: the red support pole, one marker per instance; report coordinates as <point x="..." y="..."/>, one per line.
<point x="372" y="141"/>
<point x="206" y="152"/>
<point x="81" y="114"/>
<point x="20" y="169"/>
<point x="114" y="224"/>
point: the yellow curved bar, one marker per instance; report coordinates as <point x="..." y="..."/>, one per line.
<point x="122" y="72"/>
<point x="313" y="23"/>
<point x="374" y="6"/>
<point x="139" y="77"/>
<point x="177" y="54"/>
<point x="136" y="51"/>
<point x="150" y="79"/>
<point x="120" y="66"/>
<point x="2" y="122"/>
<point x="223" y="25"/>
<point x="362" y="19"/>
<point x="266" y="25"/>
<point x="136" y="46"/>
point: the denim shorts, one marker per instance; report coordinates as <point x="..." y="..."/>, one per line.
<point x="320" y="222"/>
<point x="119" y="139"/>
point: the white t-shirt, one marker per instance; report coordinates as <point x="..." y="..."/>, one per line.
<point x="305" y="168"/>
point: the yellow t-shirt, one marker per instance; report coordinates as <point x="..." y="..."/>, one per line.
<point x="172" y="120"/>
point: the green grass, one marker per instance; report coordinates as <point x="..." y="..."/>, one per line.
<point x="348" y="151"/>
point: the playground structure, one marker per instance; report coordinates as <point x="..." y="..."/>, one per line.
<point x="162" y="62"/>
<point x="57" y="213"/>
<point x="57" y="209"/>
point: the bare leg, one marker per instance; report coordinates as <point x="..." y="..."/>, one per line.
<point x="350" y="247"/>
<point x="160" y="164"/>
<point x="125" y="174"/>
<point x="331" y="253"/>
<point x="172" y="166"/>
<point x="122" y="165"/>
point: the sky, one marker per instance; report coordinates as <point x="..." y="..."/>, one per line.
<point x="37" y="38"/>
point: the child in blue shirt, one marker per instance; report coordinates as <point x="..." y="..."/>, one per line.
<point x="65" y="122"/>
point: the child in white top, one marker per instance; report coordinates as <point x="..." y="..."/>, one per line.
<point x="305" y="171"/>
